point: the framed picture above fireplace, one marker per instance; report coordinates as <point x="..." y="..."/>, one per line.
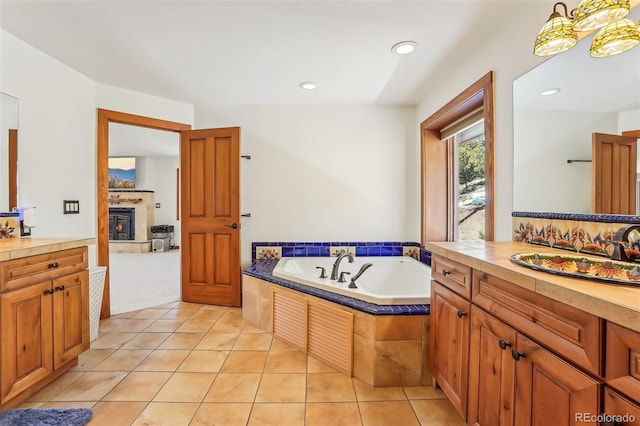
<point x="122" y="172"/>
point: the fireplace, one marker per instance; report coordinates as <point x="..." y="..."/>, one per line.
<point x="122" y="223"/>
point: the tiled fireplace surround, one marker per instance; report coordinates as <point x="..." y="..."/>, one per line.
<point x="391" y="350"/>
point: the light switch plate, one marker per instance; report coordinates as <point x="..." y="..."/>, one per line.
<point x="71" y="207"/>
<point x="157" y="205"/>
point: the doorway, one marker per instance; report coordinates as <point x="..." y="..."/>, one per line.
<point x="105" y="117"/>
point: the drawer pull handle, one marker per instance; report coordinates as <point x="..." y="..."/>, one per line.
<point x="77" y="279"/>
<point x="517" y="355"/>
<point x="53" y="265"/>
<point x="48" y="291"/>
<point x="60" y="288"/>
<point x="445" y="272"/>
<point x="504" y="345"/>
<point x="461" y="314"/>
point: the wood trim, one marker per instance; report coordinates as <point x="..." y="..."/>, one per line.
<point x="178" y="193"/>
<point x="13" y="168"/>
<point x="435" y="200"/>
<point x="631" y="134"/>
<point x="104" y="118"/>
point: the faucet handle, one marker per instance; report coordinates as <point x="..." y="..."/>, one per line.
<point x="323" y="272"/>
<point x="342" y="279"/>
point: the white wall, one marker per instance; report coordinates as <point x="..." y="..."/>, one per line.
<point x="332" y="173"/>
<point x="56" y="140"/>
<point x="544" y="143"/>
<point x="509" y="54"/>
<point x="629" y="120"/>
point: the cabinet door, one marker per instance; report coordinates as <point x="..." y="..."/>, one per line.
<point x="619" y="410"/>
<point x="26" y="338"/>
<point x="449" y="344"/>
<point x="491" y="370"/>
<point x="70" y="317"/>
<point x="550" y="391"/>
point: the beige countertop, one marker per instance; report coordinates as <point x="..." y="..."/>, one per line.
<point x="15" y="248"/>
<point x="616" y="303"/>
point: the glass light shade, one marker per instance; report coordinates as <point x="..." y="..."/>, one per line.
<point x="556" y="36"/>
<point x="592" y="14"/>
<point x="615" y="38"/>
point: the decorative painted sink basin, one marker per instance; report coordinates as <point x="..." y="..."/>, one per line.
<point x="576" y="266"/>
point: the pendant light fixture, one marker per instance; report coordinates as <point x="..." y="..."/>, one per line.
<point x="557" y="35"/>
<point x="560" y="32"/>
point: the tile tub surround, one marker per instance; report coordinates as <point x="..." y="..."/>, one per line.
<point x="583" y="233"/>
<point x="277" y="250"/>
<point x="388" y="350"/>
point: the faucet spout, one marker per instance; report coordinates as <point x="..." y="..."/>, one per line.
<point x="336" y="264"/>
<point x="364" y="267"/>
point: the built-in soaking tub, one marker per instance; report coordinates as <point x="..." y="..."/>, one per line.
<point x="395" y="280"/>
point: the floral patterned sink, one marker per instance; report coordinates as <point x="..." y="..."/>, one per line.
<point x="605" y="270"/>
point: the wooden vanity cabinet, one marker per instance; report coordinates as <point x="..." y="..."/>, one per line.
<point x="44" y="321"/>
<point x="620" y="410"/>
<point x="449" y="343"/>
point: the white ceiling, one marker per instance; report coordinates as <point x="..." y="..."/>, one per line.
<point x="257" y="52"/>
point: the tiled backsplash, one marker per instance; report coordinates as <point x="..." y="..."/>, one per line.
<point x="9" y="225"/>
<point x="584" y="233"/>
<point x="276" y="250"/>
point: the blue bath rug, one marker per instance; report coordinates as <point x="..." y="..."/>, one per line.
<point x="46" y="417"/>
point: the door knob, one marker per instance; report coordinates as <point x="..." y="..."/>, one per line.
<point x="233" y="225"/>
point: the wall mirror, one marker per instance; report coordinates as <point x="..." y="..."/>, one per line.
<point x="8" y="152"/>
<point x="596" y="95"/>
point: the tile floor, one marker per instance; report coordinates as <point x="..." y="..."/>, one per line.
<point x="189" y="364"/>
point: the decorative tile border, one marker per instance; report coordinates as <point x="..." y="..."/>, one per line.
<point x="583" y="233"/>
<point x="277" y="250"/>
<point x="9" y="225"/>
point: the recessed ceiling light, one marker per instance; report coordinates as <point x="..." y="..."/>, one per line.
<point x="404" y="47"/>
<point x="550" y="92"/>
<point x="308" y="85"/>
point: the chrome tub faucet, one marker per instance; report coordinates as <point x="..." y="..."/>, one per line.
<point x="336" y="264"/>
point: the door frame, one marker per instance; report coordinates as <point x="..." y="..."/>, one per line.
<point x="105" y="117"/>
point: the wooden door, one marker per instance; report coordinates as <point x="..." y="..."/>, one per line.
<point x="613" y="174"/>
<point x="550" y="391"/>
<point x="70" y="319"/>
<point x="26" y="338"/>
<point x="449" y="344"/>
<point x="491" y="370"/>
<point x="210" y="188"/>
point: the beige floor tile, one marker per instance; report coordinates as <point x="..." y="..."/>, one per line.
<point x="167" y="413"/>
<point x="253" y="342"/>
<point x="277" y="415"/>
<point x="234" y="387"/>
<point x="89" y="359"/>
<point x="192" y="306"/>
<point x="203" y="362"/>
<point x="185" y="387"/>
<point x="250" y="328"/>
<point x="31" y="405"/>
<point x="208" y="315"/>
<point x="366" y="392"/>
<point x="217" y="342"/>
<point x="330" y="387"/>
<point x="169" y="305"/>
<point x="179" y="314"/>
<point x="116" y="413"/>
<point x="181" y="341"/>
<point x="92" y="386"/>
<point x="286" y="362"/>
<point x="195" y="326"/>
<point x="436" y="412"/>
<point x="423" y="392"/>
<point x="282" y="388"/>
<point x="229" y="322"/>
<point x="68" y="404"/>
<point x="384" y="413"/>
<point x="108" y="324"/>
<point x="152" y="313"/>
<point x="244" y="362"/>
<point x="164" y="325"/>
<point x="315" y="366"/>
<point x="48" y="392"/>
<point x="218" y="414"/>
<point x="163" y="360"/>
<point x="112" y="340"/>
<point x="332" y="414"/>
<point x="279" y="345"/>
<point x="132" y="326"/>
<point x="138" y="386"/>
<point x="146" y="341"/>
<point x="123" y="360"/>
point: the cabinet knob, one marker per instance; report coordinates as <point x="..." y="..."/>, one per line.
<point x="445" y="272"/>
<point x="48" y="291"/>
<point x="503" y="344"/>
<point x="60" y="288"/>
<point x="461" y="314"/>
<point x="517" y="355"/>
<point x="53" y="265"/>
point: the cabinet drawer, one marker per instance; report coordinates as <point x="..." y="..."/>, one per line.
<point x="622" y="369"/>
<point x="620" y="410"/>
<point x="573" y="334"/>
<point x="18" y="273"/>
<point x="452" y="274"/>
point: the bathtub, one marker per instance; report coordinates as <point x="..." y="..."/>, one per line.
<point x="393" y="280"/>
